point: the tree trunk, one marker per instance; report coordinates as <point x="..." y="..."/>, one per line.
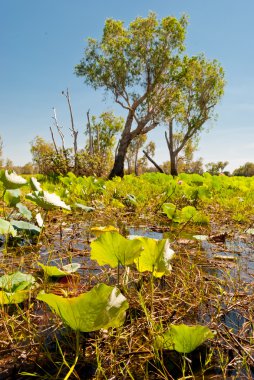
<point x="153" y="162"/>
<point x="124" y="142"/>
<point x="172" y="153"/>
<point x="118" y="168"/>
<point x="173" y="163"/>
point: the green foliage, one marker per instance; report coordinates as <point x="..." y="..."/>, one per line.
<point x="113" y="249"/>
<point x="15" y="287"/>
<point x="11" y="180"/>
<point x="53" y="271"/>
<point x="12" y="197"/>
<point x="47" y="201"/>
<point x="100" y="308"/>
<point x="6" y="228"/>
<point x="155" y="257"/>
<point x="183" y="338"/>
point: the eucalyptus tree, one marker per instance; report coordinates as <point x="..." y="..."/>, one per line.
<point x="142" y="67"/>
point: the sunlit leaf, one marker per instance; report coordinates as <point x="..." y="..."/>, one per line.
<point x="100" y="308"/>
<point x="7" y="298"/>
<point x="47" y="201"/>
<point x="170" y="210"/>
<point x="201" y="237"/>
<point x="35" y="185"/>
<point x="53" y="271"/>
<point x="97" y="231"/>
<point x="6" y="228"/>
<point x="83" y="207"/>
<point x="113" y="249"/>
<point x="11" y="180"/>
<point x="12" y="197"/>
<point x="183" y="338"/>
<point x="155" y="257"/>
<point x="16" y="281"/>
<point x="24" y="211"/>
<point x="20" y="225"/>
<point x="39" y="219"/>
<point x="71" y="268"/>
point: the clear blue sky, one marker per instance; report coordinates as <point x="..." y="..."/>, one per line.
<point x="41" y="41"/>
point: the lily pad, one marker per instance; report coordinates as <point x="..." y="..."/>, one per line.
<point x="12" y="197"/>
<point x="155" y="257"/>
<point x="16" y="281"/>
<point x="100" y="308"/>
<point x="6" y="228"/>
<point x="97" y="231"/>
<point x="113" y="249"/>
<point x="53" y="271"/>
<point x="83" y="207"/>
<point x="7" y="298"/>
<point x="47" y="201"/>
<point x="20" y="225"/>
<point x="35" y="185"/>
<point x="24" y="211"/>
<point x="183" y="338"/>
<point x="11" y="180"/>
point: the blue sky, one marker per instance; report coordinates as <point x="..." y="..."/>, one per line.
<point x="41" y="41"/>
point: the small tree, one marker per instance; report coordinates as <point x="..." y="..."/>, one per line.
<point x="246" y="170"/>
<point x="199" y="90"/>
<point x="143" y="68"/>
<point x="216" y="168"/>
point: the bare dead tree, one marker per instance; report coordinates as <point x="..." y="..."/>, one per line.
<point x="74" y="132"/>
<point x="53" y="139"/>
<point x="89" y="131"/>
<point x="153" y="162"/>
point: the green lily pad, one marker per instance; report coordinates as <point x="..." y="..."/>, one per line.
<point x="183" y="338"/>
<point x="47" y="201"/>
<point x="97" y="231"/>
<point x="24" y="211"/>
<point x="13" y="298"/>
<point x="6" y="228"/>
<point x="20" y="225"/>
<point x="83" y="207"/>
<point x="53" y="271"/>
<point x="35" y="185"/>
<point x="16" y="281"/>
<point x="100" y="308"/>
<point x="12" y="197"/>
<point x="113" y="249"/>
<point x="11" y="180"/>
<point x="155" y="257"/>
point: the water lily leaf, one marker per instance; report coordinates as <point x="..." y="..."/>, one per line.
<point x="39" y="219"/>
<point x="200" y="237"/>
<point x="35" y="185"/>
<point x="97" y="231"/>
<point x="113" y="249"/>
<point x="188" y="213"/>
<point x="83" y="207"/>
<point x="16" y="281"/>
<point x="13" y="298"/>
<point x="169" y="209"/>
<point x="155" y="257"/>
<point x="12" y="197"/>
<point x="6" y="228"/>
<point x="183" y="338"/>
<point x="47" y="201"/>
<point x="71" y="268"/>
<point x="20" y="225"/>
<point x="102" y="307"/>
<point x="24" y="211"/>
<point x="11" y="180"/>
<point x="53" y="271"/>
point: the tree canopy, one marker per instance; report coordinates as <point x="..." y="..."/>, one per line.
<point x="144" y="68"/>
